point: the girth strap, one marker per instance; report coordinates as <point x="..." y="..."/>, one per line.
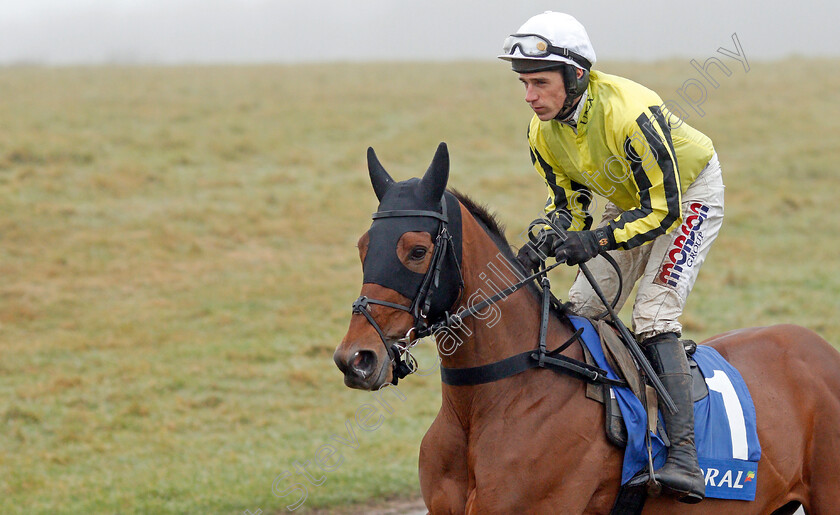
<point x="488" y="373"/>
<point x="527" y="360"/>
<point x="520" y="363"/>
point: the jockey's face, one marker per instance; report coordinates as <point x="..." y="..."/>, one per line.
<point x="544" y="92"/>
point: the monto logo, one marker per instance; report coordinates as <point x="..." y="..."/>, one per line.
<point x="685" y="248"/>
<point x="714" y="478"/>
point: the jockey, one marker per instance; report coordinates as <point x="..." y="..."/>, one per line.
<point x="594" y="133"/>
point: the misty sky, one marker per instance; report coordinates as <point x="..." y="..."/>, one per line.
<point x="218" y="31"/>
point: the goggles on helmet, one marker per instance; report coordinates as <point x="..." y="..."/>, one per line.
<point x="534" y="45"/>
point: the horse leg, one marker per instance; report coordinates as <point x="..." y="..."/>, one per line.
<point x="824" y="495"/>
<point x="822" y="474"/>
<point x="817" y="369"/>
<point x="443" y="466"/>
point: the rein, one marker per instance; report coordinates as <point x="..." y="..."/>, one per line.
<point x="529" y="359"/>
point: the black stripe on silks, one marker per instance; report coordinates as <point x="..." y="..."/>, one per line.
<point x="669" y="181"/>
<point x="638" y="169"/>
<point x="643" y="182"/>
<point x="586" y="194"/>
<point x="550" y="177"/>
<point x="560" y="200"/>
<point x="668" y="166"/>
<point x="666" y="130"/>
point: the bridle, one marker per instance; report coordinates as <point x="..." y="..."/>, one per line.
<point x="402" y="360"/>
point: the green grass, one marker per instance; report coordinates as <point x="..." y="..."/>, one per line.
<point x="177" y="253"/>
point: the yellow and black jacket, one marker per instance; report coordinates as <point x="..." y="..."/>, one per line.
<point x="626" y="147"/>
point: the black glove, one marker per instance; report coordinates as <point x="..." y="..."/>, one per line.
<point x="581" y="246"/>
<point x="534" y="252"/>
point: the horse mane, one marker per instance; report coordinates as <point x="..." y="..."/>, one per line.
<point x="496" y="230"/>
<point x="490" y="222"/>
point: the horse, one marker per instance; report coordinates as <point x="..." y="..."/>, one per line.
<point x="533" y="442"/>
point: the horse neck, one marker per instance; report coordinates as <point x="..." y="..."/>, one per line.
<point x="508" y="327"/>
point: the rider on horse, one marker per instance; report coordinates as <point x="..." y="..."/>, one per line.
<point x="599" y="133"/>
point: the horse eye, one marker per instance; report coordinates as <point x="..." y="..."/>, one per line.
<point x="418" y="253"/>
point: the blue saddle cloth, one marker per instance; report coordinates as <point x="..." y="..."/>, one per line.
<point x="724" y="424"/>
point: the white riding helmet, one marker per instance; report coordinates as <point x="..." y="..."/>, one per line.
<point x="546" y="40"/>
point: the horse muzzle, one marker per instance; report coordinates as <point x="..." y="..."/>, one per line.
<point x="363" y="369"/>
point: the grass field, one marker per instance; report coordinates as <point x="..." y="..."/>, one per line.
<point x="177" y="261"/>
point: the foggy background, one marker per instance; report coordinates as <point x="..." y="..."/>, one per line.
<point x="62" y="32"/>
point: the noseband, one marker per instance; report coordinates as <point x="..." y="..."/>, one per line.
<point x="402" y="361"/>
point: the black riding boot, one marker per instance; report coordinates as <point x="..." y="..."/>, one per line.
<point x="681" y="473"/>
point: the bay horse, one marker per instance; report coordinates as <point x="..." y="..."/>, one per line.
<point x="533" y="442"/>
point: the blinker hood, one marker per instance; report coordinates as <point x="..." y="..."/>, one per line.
<point x="381" y="265"/>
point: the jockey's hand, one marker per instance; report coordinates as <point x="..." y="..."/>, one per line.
<point x="581" y="246"/>
<point x="535" y="252"/>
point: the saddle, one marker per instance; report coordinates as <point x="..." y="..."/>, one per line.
<point x="622" y="363"/>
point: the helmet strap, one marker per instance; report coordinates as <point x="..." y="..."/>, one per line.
<point x="567" y="111"/>
<point x="574" y="90"/>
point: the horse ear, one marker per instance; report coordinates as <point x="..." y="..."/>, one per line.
<point x="436" y="177"/>
<point x="378" y="176"/>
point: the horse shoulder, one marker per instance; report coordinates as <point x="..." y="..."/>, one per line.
<point x="543" y="445"/>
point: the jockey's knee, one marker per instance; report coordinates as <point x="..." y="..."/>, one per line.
<point x="584" y="305"/>
<point x="585" y="302"/>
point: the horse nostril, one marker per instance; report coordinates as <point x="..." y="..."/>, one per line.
<point x="338" y="359"/>
<point x="363" y="363"/>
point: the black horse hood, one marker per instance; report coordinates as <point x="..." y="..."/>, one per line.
<point x="381" y="265"/>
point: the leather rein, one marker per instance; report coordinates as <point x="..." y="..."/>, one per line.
<point x="404" y="363"/>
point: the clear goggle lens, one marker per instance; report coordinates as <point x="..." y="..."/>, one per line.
<point x="529" y="45"/>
